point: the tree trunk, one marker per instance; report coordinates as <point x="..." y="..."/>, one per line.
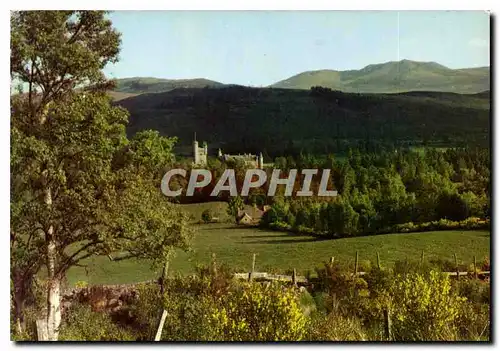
<point x="19" y="307"/>
<point x="54" y="282"/>
<point x="53" y="296"/>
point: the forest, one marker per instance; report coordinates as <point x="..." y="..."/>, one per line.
<point x="320" y="121"/>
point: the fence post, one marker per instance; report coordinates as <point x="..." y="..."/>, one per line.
<point x="422" y="258"/>
<point x="160" y="326"/>
<point x="456" y="266"/>
<point x="475" y="267"/>
<point x="294" y="277"/>
<point x="332" y="260"/>
<point x="378" y="261"/>
<point x="387" y="323"/>
<point x="164" y="275"/>
<point x="214" y="264"/>
<point x="250" y="275"/>
<point x="356" y="264"/>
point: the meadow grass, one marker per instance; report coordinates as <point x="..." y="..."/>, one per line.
<point x="282" y="252"/>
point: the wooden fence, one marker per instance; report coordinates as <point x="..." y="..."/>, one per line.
<point x="264" y="276"/>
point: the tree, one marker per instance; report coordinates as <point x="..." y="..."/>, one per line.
<point x="235" y="205"/>
<point x="206" y="216"/>
<point x="452" y="206"/>
<point x="79" y="186"/>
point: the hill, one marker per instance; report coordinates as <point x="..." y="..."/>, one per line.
<point x="139" y="85"/>
<point x="284" y="121"/>
<point x="394" y="76"/>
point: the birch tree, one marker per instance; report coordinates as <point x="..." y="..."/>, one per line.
<point x="79" y="187"/>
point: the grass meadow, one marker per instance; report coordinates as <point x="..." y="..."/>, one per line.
<point x="282" y="252"/>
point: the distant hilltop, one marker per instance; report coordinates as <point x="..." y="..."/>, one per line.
<point x="389" y="77"/>
<point x="393" y="77"/>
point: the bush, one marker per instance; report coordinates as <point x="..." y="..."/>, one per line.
<point x="80" y="323"/>
<point x="411" y="266"/>
<point x="336" y="328"/>
<point x="207" y="216"/>
<point x="187" y="300"/>
<point x="442" y="224"/>
<point x="258" y="312"/>
<point x="145" y="311"/>
<point x="473" y="322"/>
<point x="474" y="290"/>
<point x="424" y="307"/>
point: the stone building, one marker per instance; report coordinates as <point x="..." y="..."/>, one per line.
<point x="200" y="155"/>
<point x="249" y="159"/>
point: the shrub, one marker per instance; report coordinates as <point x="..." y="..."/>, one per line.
<point x="473" y="322"/>
<point x="81" y="284"/>
<point x="307" y="303"/>
<point x="474" y="290"/>
<point x="336" y="328"/>
<point x="187" y="317"/>
<point x="334" y="279"/>
<point x="145" y="311"/>
<point x="379" y="286"/>
<point x="424" y="307"/>
<point x="411" y="266"/>
<point x="207" y="216"/>
<point x="258" y="312"/>
<point x="187" y="300"/>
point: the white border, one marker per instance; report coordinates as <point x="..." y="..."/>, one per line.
<point x="193" y="5"/>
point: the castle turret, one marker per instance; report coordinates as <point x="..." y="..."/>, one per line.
<point x="195" y="151"/>
<point x="261" y="161"/>
<point x="219" y="153"/>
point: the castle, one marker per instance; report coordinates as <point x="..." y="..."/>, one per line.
<point x="201" y="153"/>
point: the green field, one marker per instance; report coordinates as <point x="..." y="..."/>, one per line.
<point x="281" y="252"/>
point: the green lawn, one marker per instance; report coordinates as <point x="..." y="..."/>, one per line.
<point x="281" y="252"/>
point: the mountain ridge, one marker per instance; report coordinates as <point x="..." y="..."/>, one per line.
<point x="392" y="77"/>
<point x="141" y="85"/>
<point x="386" y="77"/>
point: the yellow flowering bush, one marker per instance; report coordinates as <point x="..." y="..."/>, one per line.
<point x="81" y="284"/>
<point x="424" y="307"/>
<point x="257" y="312"/>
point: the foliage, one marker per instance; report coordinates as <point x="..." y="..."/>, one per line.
<point x="144" y="312"/>
<point x="256" y="312"/>
<point x="235" y="205"/>
<point x="79" y="187"/>
<point x="474" y="290"/>
<point x="424" y="307"/>
<point x="206" y="216"/>
<point x="81" y="284"/>
<point x="334" y="327"/>
<point x="82" y="324"/>
<point x="385" y="192"/>
<point x="288" y="122"/>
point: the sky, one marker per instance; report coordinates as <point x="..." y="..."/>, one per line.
<point x="258" y="48"/>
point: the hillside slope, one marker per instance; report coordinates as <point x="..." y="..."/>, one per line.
<point x="139" y="85"/>
<point x="394" y="77"/>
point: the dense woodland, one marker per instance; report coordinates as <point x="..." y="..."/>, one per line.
<point x="376" y="191"/>
<point x="280" y="122"/>
<point x="379" y="191"/>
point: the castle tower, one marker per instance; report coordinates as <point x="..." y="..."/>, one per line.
<point x="195" y="151"/>
<point x="261" y="161"/>
<point x="219" y="153"/>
